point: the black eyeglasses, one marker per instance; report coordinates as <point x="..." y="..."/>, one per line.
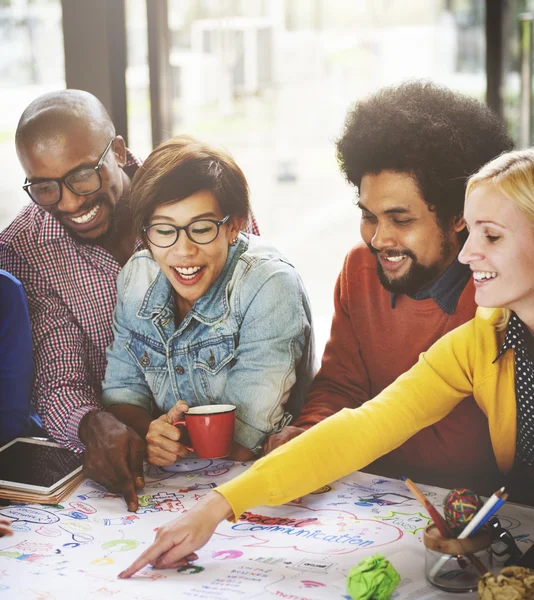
<point x="203" y="231"/>
<point x="503" y="542"/>
<point x="81" y="182"/>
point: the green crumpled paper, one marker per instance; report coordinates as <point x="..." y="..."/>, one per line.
<point x="373" y="578"/>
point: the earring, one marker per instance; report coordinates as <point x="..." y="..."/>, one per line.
<point x="234" y="241"/>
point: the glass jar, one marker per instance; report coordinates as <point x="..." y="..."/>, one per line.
<point x="455" y="565"/>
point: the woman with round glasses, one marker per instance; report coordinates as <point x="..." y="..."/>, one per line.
<point x="490" y="357"/>
<point x="208" y="314"/>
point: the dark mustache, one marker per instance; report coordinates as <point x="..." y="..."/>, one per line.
<point x="391" y="253"/>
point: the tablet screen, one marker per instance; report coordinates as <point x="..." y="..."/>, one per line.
<point x="37" y="464"/>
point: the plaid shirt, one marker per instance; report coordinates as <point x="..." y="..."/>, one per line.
<point x="71" y="290"/>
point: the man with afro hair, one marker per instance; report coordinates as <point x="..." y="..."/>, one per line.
<point x="408" y="150"/>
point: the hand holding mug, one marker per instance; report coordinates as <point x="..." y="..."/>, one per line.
<point x="162" y="438"/>
<point x="211" y="429"/>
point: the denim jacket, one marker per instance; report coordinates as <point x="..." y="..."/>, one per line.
<point x="247" y="341"/>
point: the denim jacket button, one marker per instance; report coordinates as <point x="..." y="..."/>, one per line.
<point x="211" y="361"/>
<point x="145" y="360"/>
<point x="179" y="369"/>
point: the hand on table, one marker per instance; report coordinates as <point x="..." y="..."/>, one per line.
<point x="5" y="528"/>
<point x="177" y="541"/>
<point x="162" y="440"/>
<point x="282" y="437"/>
<point x="114" y="455"/>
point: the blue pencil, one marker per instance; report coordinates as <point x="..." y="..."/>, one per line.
<point x="480" y="517"/>
<point x="488" y="516"/>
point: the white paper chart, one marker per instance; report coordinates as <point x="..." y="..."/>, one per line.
<point x="299" y="551"/>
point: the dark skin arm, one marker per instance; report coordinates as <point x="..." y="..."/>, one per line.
<point x="135" y="417"/>
<point x="114" y="455"/>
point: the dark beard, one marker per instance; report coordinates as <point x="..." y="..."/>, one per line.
<point x="417" y="278"/>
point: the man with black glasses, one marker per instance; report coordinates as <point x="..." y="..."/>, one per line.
<point x="67" y="248"/>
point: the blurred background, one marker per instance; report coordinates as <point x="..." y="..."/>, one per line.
<point x="271" y="80"/>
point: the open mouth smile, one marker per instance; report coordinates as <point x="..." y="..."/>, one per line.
<point x="188" y="274"/>
<point x="88" y="216"/>
<point x="392" y="262"/>
<point x="481" y="277"/>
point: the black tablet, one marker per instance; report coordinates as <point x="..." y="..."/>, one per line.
<point x="35" y="465"/>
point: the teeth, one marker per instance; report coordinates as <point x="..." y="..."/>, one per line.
<point x="88" y="216"/>
<point x="395" y="258"/>
<point x="483" y="275"/>
<point x="187" y="272"/>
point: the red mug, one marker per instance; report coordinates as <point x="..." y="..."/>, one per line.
<point x="210" y="429"/>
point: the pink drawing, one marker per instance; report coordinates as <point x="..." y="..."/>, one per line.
<point x="169" y="506"/>
<point x="48" y="531"/>
<point x="83" y="507"/>
<point x="312" y="584"/>
<point x="227" y="554"/>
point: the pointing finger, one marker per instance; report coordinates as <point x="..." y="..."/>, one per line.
<point x="149" y="556"/>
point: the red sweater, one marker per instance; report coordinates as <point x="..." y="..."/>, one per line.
<point x="370" y="345"/>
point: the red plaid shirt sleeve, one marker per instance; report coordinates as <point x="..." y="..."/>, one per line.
<point x="63" y="390"/>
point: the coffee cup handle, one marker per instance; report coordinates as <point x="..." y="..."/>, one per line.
<point x="182" y="426"/>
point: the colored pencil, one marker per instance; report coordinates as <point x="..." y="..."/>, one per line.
<point x="439" y="521"/>
<point x="502" y="500"/>
<point x="471" y="526"/>
<point x="480" y="517"/>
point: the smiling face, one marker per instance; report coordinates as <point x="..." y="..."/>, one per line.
<point x="88" y="218"/>
<point x="192" y="268"/>
<point x="500" y="251"/>
<point x="411" y="248"/>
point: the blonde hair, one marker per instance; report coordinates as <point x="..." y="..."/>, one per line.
<point x="512" y="174"/>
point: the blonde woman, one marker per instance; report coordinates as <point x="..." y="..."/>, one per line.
<point x="489" y="357"/>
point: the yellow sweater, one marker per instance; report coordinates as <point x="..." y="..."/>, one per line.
<point x="458" y="365"/>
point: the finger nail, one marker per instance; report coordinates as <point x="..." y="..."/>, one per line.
<point x="132" y="507"/>
<point x="139" y="482"/>
<point x="122" y="575"/>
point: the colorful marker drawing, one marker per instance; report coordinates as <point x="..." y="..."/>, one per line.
<point x="384" y="499"/>
<point x="299" y="551"/>
<point x="407" y="522"/>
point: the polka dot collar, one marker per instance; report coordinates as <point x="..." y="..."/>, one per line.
<point x="517" y="338"/>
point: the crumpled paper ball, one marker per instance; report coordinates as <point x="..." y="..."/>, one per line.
<point x="512" y="583"/>
<point x="373" y="578"/>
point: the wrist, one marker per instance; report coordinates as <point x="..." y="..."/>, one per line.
<point x="217" y="506"/>
<point x="86" y="423"/>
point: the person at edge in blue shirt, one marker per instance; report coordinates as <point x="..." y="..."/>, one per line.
<point x="208" y="314"/>
<point x="18" y="417"/>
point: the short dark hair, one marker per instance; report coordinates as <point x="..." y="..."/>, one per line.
<point x="181" y="167"/>
<point x="425" y="130"/>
